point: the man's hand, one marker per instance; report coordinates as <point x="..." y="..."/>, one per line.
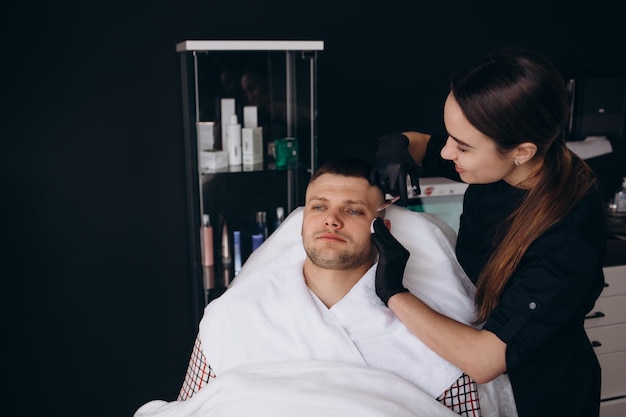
<point x="392" y="259"/>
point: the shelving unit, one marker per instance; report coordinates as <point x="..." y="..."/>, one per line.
<point x="278" y="78"/>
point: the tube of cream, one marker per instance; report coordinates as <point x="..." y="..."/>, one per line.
<point x="237" y="250"/>
<point x="227" y="262"/>
<point x="280" y="216"/>
<point x="208" y="273"/>
<point x="261" y="224"/>
<point x="257" y="239"/>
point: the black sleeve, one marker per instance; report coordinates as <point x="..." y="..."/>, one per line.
<point x="433" y="164"/>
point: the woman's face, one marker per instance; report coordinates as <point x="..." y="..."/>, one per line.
<point x="474" y="155"/>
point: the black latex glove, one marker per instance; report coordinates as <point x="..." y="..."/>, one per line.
<point x="392" y="164"/>
<point x="392" y="259"/>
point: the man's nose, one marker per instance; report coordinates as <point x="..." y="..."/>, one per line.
<point x="332" y="220"/>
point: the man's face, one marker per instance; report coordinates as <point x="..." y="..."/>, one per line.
<point x="336" y="222"/>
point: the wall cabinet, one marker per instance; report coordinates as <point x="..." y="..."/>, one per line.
<point x="606" y="328"/>
<point x="250" y="131"/>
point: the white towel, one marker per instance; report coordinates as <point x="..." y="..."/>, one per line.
<point x="273" y="317"/>
<point x="432" y="272"/>
<point x="303" y="389"/>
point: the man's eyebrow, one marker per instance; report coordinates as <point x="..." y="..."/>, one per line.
<point x="361" y="202"/>
<point x="348" y="201"/>
<point x="316" y="198"/>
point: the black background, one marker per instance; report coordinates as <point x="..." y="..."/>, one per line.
<point x="95" y="260"/>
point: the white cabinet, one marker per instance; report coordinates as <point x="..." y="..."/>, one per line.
<point x="606" y="328"/>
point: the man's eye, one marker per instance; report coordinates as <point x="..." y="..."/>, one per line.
<point x="354" y="211"/>
<point x="317" y="207"/>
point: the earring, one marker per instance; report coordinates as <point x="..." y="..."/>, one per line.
<point x="516" y="163"/>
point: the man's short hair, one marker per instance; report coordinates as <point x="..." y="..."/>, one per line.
<point x="348" y="167"/>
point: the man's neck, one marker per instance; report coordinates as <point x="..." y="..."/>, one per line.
<point x="330" y="286"/>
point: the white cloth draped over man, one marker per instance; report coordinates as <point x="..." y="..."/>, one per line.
<point x="271" y="316"/>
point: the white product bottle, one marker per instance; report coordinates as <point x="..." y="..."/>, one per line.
<point x="233" y="141"/>
<point x="227" y="107"/>
<point x="620" y="198"/>
<point x="251" y="138"/>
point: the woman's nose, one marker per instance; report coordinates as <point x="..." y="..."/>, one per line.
<point x="447" y="151"/>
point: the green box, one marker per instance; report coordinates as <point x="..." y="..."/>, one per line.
<point x="286" y="150"/>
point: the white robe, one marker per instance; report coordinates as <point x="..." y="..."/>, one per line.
<point x="359" y="329"/>
<point x="274" y="317"/>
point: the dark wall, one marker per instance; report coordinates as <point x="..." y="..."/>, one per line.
<point x="96" y="256"/>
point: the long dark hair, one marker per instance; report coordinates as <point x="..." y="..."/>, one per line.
<point x="515" y="97"/>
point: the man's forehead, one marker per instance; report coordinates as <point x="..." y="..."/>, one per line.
<point x="355" y="189"/>
<point x="333" y="180"/>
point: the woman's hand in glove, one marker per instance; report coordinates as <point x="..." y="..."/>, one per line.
<point x="392" y="259"/>
<point x="392" y="164"/>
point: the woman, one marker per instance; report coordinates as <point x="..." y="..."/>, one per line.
<point x="531" y="235"/>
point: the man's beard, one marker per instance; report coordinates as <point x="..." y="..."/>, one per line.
<point x="337" y="260"/>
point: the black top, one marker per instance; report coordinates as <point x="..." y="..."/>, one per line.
<point x="551" y="364"/>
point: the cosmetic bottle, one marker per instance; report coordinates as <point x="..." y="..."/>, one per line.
<point x="227" y="108"/>
<point x="208" y="273"/>
<point x="205" y="135"/>
<point x="237" y="250"/>
<point x="251" y="138"/>
<point x="280" y="216"/>
<point x="233" y="141"/>
<point x="620" y="198"/>
<point x="227" y="261"/>
<point x="261" y="224"/>
<point x="257" y="239"/>
<point x="250" y="116"/>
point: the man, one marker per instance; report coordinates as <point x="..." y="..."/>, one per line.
<point x="318" y="301"/>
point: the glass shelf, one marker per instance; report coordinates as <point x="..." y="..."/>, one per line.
<point x="271" y="88"/>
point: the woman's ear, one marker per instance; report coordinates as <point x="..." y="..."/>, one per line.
<point x="387" y="224"/>
<point x="524" y="152"/>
